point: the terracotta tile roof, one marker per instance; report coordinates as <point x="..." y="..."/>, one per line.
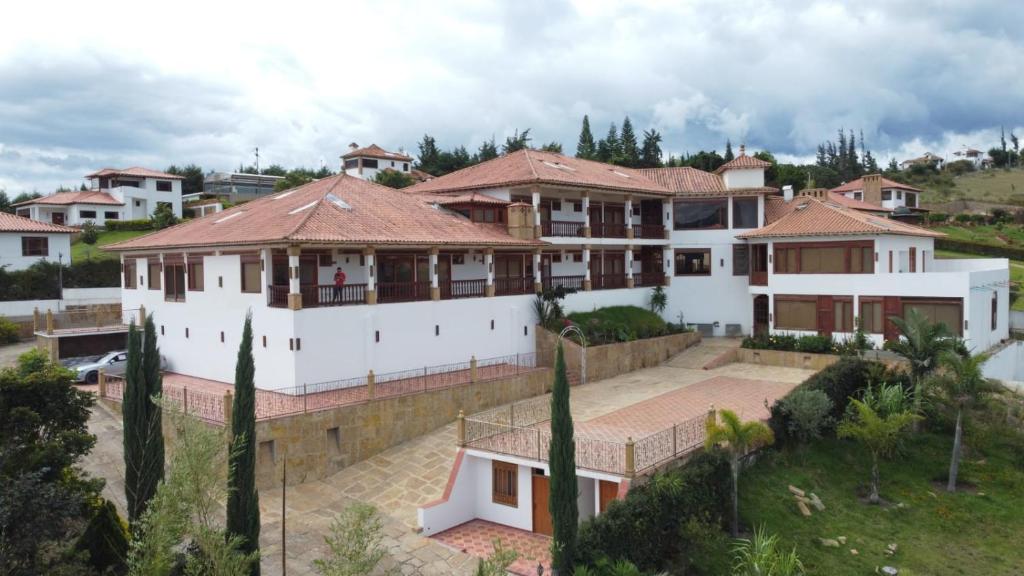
<point x="686" y="181"/>
<point x="856" y="204"/>
<point x="335" y="210"/>
<point x="12" y="223"/>
<point x="743" y="162"/>
<point x="374" y="151"/>
<point x="66" y="198"/>
<point x="471" y="198"/>
<point x="135" y="171"/>
<point x="527" y="167"/>
<point x="812" y="217"/>
<point x="776" y="207"/>
<point x="858" y="184"/>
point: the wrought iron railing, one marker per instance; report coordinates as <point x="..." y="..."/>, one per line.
<point x="645" y="279"/>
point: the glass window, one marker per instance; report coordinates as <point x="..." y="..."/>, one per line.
<point x="693" y="262"/>
<point x="947" y="313"/>
<point x="796" y="314"/>
<point x="174" y="282"/>
<point x="842" y="315"/>
<point x="87" y="214"/>
<point x="700" y="214"/>
<point x="995" y="309"/>
<point x="154" y="275"/>
<point x="504" y="483"/>
<point x="886" y="194"/>
<point x="871" y="317"/>
<point x="251" y="277"/>
<point x="35" y="246"/>
<point x="130" y="274"/>
<point x="911" y="200"/>
<point x="108" y="215"/>
<point x="351" y="163"/>
<point x="744" y="212"/>
<point x="163" y="186"/>
<point x="196" y="280"/>
<point x="368" y="163"/>
<point x="899" y="195"/>
<point x="740" y="259"/>
<point x="405" y="167"/>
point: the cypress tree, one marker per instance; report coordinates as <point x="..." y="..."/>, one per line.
<point x="650" y="153"/>
<point x="630" y="147"/>
<point x="142" y="420"/>
<point x="586" y="148"/>
<point x="728" y="151"/>
<point x="243" y="510"/>
<point x="609" y="149"/>
<point x="562" y="461"/>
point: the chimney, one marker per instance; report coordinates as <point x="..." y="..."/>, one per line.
<point x="743" y="149"/>
<point x="873" y="189"/>
<point x="787" y="193"/>
<point x="353" y="146"/>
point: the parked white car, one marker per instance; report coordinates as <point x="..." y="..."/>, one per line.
<point x="87" y="368"/>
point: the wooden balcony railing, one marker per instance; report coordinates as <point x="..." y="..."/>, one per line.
<point x="608" y="281"/>
<point x="316" y="295"/>
<point x="562" y="228"/>
<point x="652" y="231"/>
<point x="463" y="288"/>
<point x="568" y="282"/>
<point x="605" y="230"/>
<point x="277" y="296"/>
<point x="759" y="278"/>
<point x="403" y="291"/>
<point x="645" y="279"/>
<point x="509" y="286"/>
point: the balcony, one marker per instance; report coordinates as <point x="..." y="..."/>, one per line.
<point x="511" y="286"/>
<point x="604" y="230"/>
<point x="648" y="279"/>
<point x="649" y="231"/>
<point x="562" y="228"/>
<point x="608" y="281"/>
<point x="567" y="282"/>
<point x="574" y="229"/>
<point x="317" y="295"/>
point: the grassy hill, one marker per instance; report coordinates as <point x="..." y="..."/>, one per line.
<point x="82" y="251"/>
<point x="998" y="186"/>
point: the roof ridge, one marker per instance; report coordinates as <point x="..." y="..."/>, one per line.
<point x="529" y="162"/>
<point x="317" y="202"/>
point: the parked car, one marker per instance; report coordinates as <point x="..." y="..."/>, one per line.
<point x="87" y="368"/>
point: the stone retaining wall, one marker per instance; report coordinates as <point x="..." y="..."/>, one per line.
<point x="610" y="360"/>
<point x="319" y="444"/>
<point x="785" y="359"/>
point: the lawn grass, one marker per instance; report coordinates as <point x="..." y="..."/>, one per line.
<point x="82" y="251"/>
<point x="1004" y="235"/>
<point x="937" y="533"/>
<point x="991" y="185"/>
<point x="1016" y="270"/>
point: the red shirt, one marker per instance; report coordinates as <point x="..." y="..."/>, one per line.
<point x="339" y="278"/>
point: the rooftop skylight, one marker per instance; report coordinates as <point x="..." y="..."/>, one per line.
<point x="229" y="217"/>
<point x="624" y="175"/>
<point x="560" y="166"/>
<point x="301" y="208"/>
<point x="284" y="194"/>
<point x="338" y="202"/>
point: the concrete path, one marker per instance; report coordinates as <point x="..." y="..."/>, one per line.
<point x="401" y="479"/>
<point x="696" y="357"/>
<point x="9" y="353"/>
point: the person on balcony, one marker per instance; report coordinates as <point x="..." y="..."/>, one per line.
<point x="339" y="283"/>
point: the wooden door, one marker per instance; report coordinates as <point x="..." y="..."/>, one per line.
<point x="826" y="322"/>
<point x="607" y="492"/>
<point x="57" y="218"/>
<point x="541" y="514"/>
<point x="891" y="306"/>
<point x="650" y="212"/>
<point x="761" y="315"/>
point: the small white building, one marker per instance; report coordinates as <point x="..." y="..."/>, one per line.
<point x="114" y="194"/>
<point x="23" y="242"/>
<point x="366" y="162"/>
<point x="876" y="190"/>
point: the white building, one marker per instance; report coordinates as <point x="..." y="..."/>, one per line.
<point x="23" y="242"/>
<point x="879" y="191"/>
<point x="366" y="162"/>
<point x="239" y="186"/>
<point x="128" y="194"/>
<point x="447" y="269"/>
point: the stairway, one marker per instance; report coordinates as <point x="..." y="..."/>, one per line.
<point x="710" y="351"/>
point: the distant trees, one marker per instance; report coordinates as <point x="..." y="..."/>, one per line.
<point x="585" y="146"/>
<point x="841" y="156"/>
<point x="650" y="151"/>
<point x="299" y="176"/>
<point x="5" y="203"/>
<point x="437" y="162"/>
<point x="192" y="177"/>
<point x="393" y="178"/>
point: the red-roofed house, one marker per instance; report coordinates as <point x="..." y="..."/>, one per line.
<point x="23" y="242"/>
<point x="367" y="161"/>
<point x="114" y="194"/>
<point x="874" y="189"/>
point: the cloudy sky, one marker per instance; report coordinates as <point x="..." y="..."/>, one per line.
<point x="93" y="84"/>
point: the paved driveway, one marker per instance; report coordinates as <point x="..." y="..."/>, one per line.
<point x="401" y="479"/>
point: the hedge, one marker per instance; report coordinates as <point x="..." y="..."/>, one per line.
<point x="620" y="324"/>
<point x="646" y="528"/>
<point x="134" y="225"/>
<point x="982" y="249"/>
<point x="845" y="379"/>
<point x="40" y="281"/>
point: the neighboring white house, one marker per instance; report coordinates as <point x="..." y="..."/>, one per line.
<point x="239" y="186"/>
<point x="447" y="269"/>
<point x="366" y="162"/>
<point x="114" y="194"/>
<point x="880" y="191"/>
<point x="975" y="156"/>
<point x="23" y="242"/>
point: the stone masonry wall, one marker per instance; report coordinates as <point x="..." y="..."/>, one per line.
<point x="786" y="359"/>
<point x="610" y="360"/>
<point x="319" y="444"/>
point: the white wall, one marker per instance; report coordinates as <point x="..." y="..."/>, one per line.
<point x="10" y="249"/>
<point x="72" y="297"/>
<point x="371" y="173"/>
<point x="744" y="178"/>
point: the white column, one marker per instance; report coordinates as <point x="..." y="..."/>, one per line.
<point x="268" y="270"/>
<point x="629" y="262"/>
<point x="586" y="211"/>
<point x="586" y="263"/>
<point x="629" y="212"/>
<point x="728" y="215"/>
<point x="371" y="271"/>
<point x="489" y="264"/>
<point x="536" y="268"/>
<point x="666" y="217"/>
<point x="856" y="311"/>
<point x="536" y="207"/>
<point x="667" y="256"/>
<point x="293" y="270"/>
<point x="433" y="269"/>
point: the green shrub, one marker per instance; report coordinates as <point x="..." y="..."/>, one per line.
<point x="811" y="343"/>
<point x="815" y="344"/>
<point x="105" y="540"/>
<point x="807" y="413"/>
<point x="9" y="331"/>
<point x="163" y="216"/>
<point x="962" y="218"/>
<point x="937" y="217"/>
<point x="41" y="280"/>
<point x="618" y="324"/>
<point x="134" y="225"/>
<point x="978" y="248"/>
<point x="647" y="528"/>
<point x="89" y="233"/>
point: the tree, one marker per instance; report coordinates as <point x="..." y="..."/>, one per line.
<point x="163" y="216"/>
<point x="728" y="151"/>
<point x="650" y="152"/>
<point x="243" y="509"/>
<point x="738" y="438"/>
<point x="609" y="149"/>
<point x="630" y="148"/>
<point x="89" y="233"/>
<point x="488" y="150"/>
<point x="274" y="170"/>
<point x="552" y="147"/>
<point x="879" y="434"/>
<point x="922" y="342"/>
<point x="516" y="142"/>
<point x="5" y="202"/>
<point x="354" y="545"/>
<point x="585" y="147"/>
<point x="192" y="177"/>
<point x="393" y="178"/>
<point x="428" y="155"/>
<point x="763" y="556"/>
<point x="293" y="179"/>
<point x="141" y="430"/>
<point x="963" y="384"/>
<point x="562" y="461"/>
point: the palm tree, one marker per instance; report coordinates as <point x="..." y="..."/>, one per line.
<point x="922" y="342"/>
<point x="880" y="434"/>
<point x="963" y="384"/>
<point x="738" y="438"/>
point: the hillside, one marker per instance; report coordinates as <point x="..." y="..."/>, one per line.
<point x="996" y="186"/>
